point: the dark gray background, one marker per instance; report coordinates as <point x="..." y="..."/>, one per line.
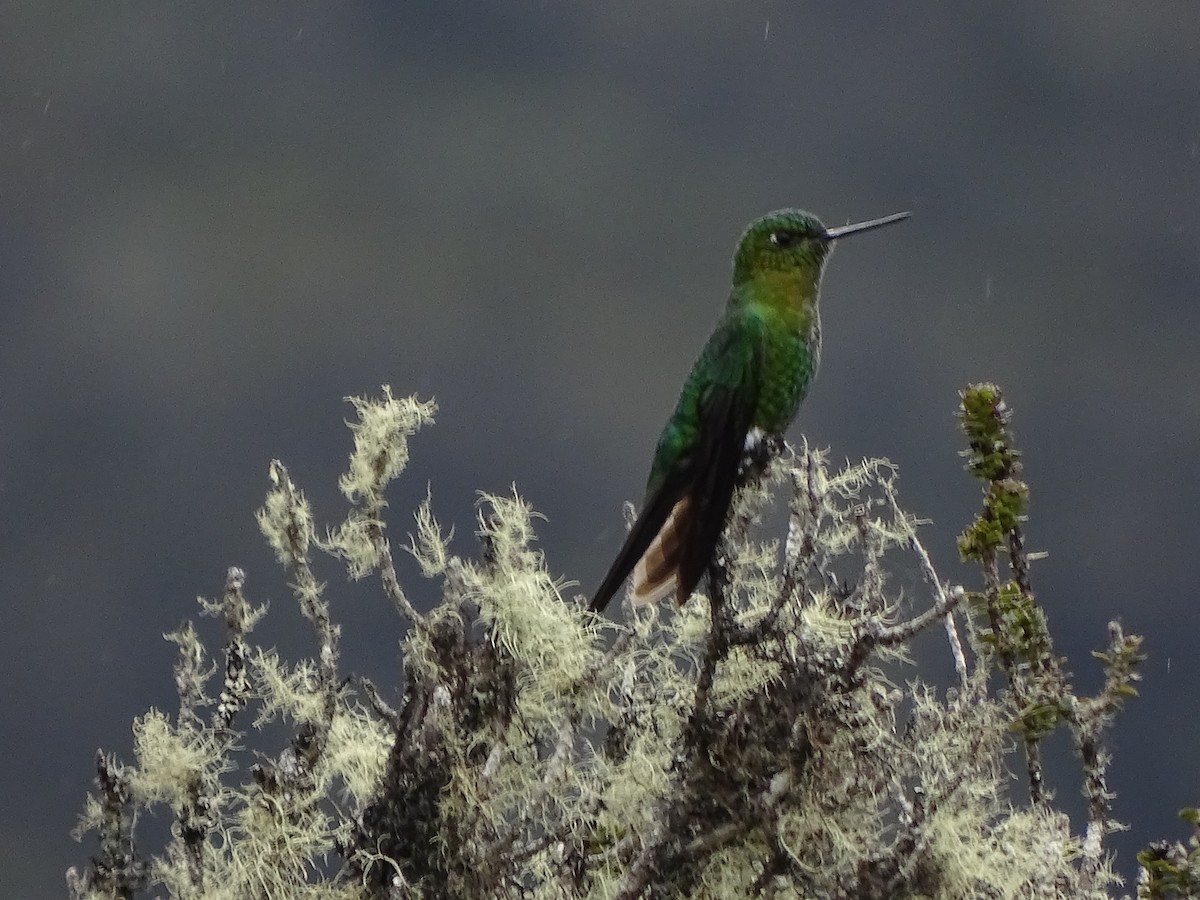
<point x="219" y="219"/>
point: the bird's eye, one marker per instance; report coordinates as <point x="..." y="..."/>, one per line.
<point x="783" y="239"/>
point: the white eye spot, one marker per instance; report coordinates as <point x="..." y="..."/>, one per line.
<point x="774" y="238"/>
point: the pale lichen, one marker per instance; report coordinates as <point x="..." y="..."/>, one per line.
<point x="772" y="737"/>
<point x="381" y="441"/>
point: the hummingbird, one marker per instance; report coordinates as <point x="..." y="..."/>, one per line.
<point x="743" y="391"/>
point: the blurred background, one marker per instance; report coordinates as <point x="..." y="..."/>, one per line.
<point x="220" y="219"/>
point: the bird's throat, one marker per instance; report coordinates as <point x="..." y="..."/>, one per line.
<point x="786" y="299"/>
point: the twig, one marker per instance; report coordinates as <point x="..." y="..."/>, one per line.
<point x="387" y="572"/>
<point x="117" y="871"/>
<point x="1016" y="680"/>
<point x="382" y="708"/>
<point x="240" y="618"/>
<point x="873" y="633"/>
<point x="939" y="589"/>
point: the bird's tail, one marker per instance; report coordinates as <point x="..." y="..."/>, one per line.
<point x="647" y="532"/>
<point x="657" y="572"/>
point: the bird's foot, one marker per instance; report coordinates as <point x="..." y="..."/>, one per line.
<point x="760" y="449"/>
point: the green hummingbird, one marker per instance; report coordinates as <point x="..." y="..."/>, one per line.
<point x="745" y="387"/>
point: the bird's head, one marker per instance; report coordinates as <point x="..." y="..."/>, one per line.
<point x="793" y="244"/>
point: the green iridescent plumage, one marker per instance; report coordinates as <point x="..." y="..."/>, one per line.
<point x="748" y="381"/>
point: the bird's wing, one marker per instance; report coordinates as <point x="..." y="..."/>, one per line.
<point x="655" y="512"/>
<point x="693" y="478"/>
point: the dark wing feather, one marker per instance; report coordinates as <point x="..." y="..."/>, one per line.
<point x="726" y="419"/>
<point x="655" y="512"/>
<point x="724" y="385"/>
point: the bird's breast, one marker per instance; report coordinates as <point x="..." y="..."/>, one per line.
<point x="789" y="364"/>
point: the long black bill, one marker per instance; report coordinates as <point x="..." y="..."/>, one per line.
<point x="859" y="227"/>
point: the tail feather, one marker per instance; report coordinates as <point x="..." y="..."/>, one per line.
<point x="657" y="572"/>
<point x="673" y="540"/>
<point x="658" y="509"/>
